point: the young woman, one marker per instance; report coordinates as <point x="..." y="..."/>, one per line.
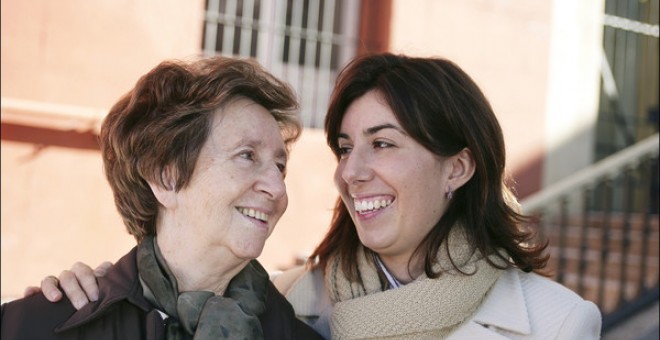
<point x="426" y="241"/>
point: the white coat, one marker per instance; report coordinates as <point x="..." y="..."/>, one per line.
<point x="519" y="306"/>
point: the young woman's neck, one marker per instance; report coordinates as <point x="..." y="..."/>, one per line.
<point x="402" y="268"/>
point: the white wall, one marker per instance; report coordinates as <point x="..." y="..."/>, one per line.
<point x="573" y="87"/>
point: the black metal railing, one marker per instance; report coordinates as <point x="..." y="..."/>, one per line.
<point x="602" y="224"/>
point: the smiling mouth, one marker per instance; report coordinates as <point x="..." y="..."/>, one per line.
<point x="369" y="206"/>
<point x="249" y="212"/>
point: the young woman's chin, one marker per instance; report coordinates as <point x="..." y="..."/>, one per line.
<point x="375" y="241"/>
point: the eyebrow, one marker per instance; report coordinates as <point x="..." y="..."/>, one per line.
<point x="374" y="129"/>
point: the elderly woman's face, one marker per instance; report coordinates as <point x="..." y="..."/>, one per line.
<point x="391" y="185"/>
<point x="237" y="192"/>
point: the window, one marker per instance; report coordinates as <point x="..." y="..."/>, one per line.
<point x="628" y="110"/>
<point x="304" y="42"/>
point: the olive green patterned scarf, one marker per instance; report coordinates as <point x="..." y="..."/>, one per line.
<point x="201" y="314"/>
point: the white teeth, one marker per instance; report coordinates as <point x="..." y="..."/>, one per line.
<point x="366" y="206"/>
<point x="254" y="214"/>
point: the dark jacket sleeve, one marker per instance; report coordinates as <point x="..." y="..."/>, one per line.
<point x="33" y="317"/>
<point x="280" y="322"/>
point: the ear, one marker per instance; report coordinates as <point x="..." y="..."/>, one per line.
<point x="462" y="169"/>
<point x="164" y="190"/>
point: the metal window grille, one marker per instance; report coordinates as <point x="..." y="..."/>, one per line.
<point x="628" y="110"/>
<point x="304" y="42"/>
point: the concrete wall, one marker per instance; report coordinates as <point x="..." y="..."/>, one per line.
<point x="87" y="52"/>
<point x="64" y="64"/>
<point x="573" y="87"/>
<point x="538" y="62"/>
<point x="504" y="46"/>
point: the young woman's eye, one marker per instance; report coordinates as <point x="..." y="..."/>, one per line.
<point x="343" y="150"/>
<point x="282" y="168"/>
<point x="382" y="145"/>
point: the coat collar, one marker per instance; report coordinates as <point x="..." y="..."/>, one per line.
<point x="308" y="294"/>
<point x="503" y="309"/>
<point x="120" y="283"/>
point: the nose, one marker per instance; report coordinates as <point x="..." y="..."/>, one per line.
<point x="271" y="182"/>
<point x="354" y="168"/>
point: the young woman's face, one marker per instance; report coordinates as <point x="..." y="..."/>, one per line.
<point x="393" y="187"/>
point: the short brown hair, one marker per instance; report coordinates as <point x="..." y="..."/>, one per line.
<point x="165" y="120"/>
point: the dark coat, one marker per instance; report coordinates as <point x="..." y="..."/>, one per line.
<point x="122" y="312"/>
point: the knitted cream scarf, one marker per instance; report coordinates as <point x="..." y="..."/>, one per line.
<point x="424" y="308"/>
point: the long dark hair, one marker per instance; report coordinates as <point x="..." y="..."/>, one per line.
<point x="443" y="109"/>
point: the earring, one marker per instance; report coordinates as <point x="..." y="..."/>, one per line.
<point x="449" y="194"/>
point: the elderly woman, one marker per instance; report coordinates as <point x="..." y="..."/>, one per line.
<point x="196" y="156"/>
<point x="426" y="241"/>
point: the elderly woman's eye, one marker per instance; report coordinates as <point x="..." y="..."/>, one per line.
<point x="249" y="155"/>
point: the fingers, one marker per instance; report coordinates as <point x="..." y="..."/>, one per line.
<point x="87" y="279"/>
<point x="31" y="290"/>
<point x="49" y="286"/>
<point x="79" y="284"/>
<point x="71" y="287"/>
<point x="102" y="269"/>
